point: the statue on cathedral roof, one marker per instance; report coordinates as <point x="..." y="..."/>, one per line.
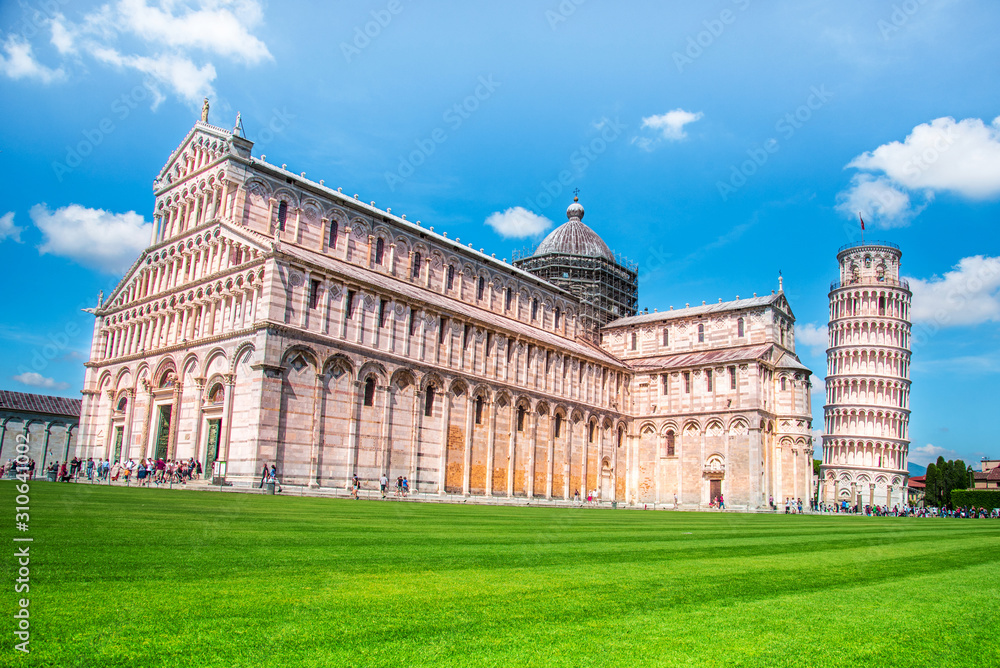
<point x="204" y="111"/>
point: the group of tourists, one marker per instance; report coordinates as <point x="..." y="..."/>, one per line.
<point x="145" y="471"/>
<point x="402" y="486"/>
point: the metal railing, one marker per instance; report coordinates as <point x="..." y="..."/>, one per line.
<point x="862" y="244"/>
<point x="901" y="283"/>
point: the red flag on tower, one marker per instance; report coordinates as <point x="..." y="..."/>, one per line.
<point x="862" y="221"/>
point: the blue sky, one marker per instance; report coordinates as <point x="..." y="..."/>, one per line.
<point x="713" y="143"/>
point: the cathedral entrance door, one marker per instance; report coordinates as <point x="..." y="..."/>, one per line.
<point x="607" y="482"/>
<point x="212" y="447"/>
<point x="119" y="434"/>
<point x="714" y="489"/>
<point x="163" y="432"/>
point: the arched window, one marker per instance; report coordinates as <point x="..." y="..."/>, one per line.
<point x="451" y="277"/>
<point x="429" y="403"/>
<point x="370" y="391"/>
<point x="282" y="214"/>
<point x="379" y="250"/>
<point x="217" y="395"/>
<point x="334" y="228"/>
<point x="520" y="418"/>
<point x="590" y="432"/>
<point x="122" y="404"/>
<point x="701" y="333"/>
<point x="670" y="443"/>
<point x="635" y="341"/>
<point x="481" y="288"/>
<point x="534" y="308"/>
<point x="558" y="427"/>
<point x="415" y="269"/>
<point x="782" y="383"/>
<point x="740" y="330"/>
<point x="666" y="336"/>
<point x="557" y="317"/>
<point x="479" y="410"/>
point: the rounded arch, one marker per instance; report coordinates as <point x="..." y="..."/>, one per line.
<point x="431" y="379"/>
<point x="482" y="390"/>
<point x="402" y="378"/>
<point x="243" y="353"/>
<point x="373" y="368"/>
<point x="296" y="351"/>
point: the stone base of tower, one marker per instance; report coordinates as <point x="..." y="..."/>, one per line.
<point x="862" y="487"/>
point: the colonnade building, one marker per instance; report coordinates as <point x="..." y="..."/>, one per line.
<point x="867" y="412"/>
<point x="274" y="319"/>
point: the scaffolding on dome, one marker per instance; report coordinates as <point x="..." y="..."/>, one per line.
<point x="608" y="290"/>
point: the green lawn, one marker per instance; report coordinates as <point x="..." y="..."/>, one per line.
<point x="144" y="577"/>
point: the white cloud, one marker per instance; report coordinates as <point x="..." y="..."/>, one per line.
<point x="94" y="238"/>
<point x="173" y="42"/>
<point x="34" y="379"/>
<point x="8" y="230"/>
<point x="177" y="72"/>
<point x="20" y="63"/>
<point x="969" y="294"/>
<point x="813" y="336"/>
<point x="518" y="222"/>
<point x="962" y="157"/>
<point x="671" y="124"/>
<point x="63" y="37"/>
<point x="218" y="26"/>
<point x="929" y="453"/>
<point x="879" y="201"/>
<point x="945" y="155"/>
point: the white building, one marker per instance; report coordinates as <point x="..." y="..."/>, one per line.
<point x="274" y="319"/>
<point x="866" y="435"/>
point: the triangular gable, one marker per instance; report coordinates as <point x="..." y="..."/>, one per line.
<point x="200" y="130"/>
<point x="257" y="241"/>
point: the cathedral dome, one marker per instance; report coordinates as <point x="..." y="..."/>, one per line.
<point x="575" y="238"/>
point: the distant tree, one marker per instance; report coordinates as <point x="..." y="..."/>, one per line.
<point x="931" y="480"/>
<point x="816" y="464"/>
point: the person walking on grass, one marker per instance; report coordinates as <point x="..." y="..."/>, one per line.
<point x="263" y="476"/>
<point x="355" y="486"/>
<point x="383" y="483"/>
<point x="406" y="486"/>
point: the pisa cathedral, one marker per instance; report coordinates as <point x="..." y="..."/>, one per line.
<point x="273" y="319"/>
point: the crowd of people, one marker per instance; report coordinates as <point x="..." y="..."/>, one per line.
<point x="144" y="472"/>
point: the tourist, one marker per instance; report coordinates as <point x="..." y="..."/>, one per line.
<point x="800" y="505"/>
<point x="399" y="486"/>
<point x="675" y="501"/>
<point x="355" y="486"/>
<point x="787" y="506"/>
<point x="383" y="482"/>
<point x="263" y="476"/>
<point x="406" y="486"/>
<point x="90" y="468"/>
<point x="722" y="503"/>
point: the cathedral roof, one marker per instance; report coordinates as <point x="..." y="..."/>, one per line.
<point x="575" y="238"/>
<point x="40" y="403"/>
<point x="777" y="300"/>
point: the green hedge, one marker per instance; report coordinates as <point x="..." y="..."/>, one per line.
<point x="977" y="498"/>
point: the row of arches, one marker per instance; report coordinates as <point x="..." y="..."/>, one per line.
<point x="856" y="422"/>
<point x="894" y="363"/>
<point x="869" y="333"/>
<point x="867" y="454"/>
<point x="875" y="391"/>
<point x="445" y="434"/>
<point x="860" y="302"/>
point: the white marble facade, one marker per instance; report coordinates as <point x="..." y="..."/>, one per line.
<point x="274" y="319"/>
<point x="867" y="412"/>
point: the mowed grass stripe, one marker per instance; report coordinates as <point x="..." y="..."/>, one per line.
<point x="160" y="577"/>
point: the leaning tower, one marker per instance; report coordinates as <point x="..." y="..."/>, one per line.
<point x="866" y="435"/>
